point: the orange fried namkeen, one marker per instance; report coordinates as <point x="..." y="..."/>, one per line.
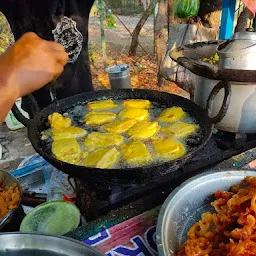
<point x="9" y="198"/>
<point x="231" y="230"/>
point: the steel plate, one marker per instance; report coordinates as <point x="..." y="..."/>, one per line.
<point x="186" y="203"/>
<point x="35" y="244"/>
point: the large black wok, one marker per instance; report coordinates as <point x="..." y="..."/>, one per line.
<point x="39" y="123"/>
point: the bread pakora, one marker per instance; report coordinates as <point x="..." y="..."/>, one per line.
<point x="135" y="153"/>
<point x="66" y="150"/>
<point x="101" y="105"/>
<point x="143" y="130"/>
<point x="104" y="158"/>
<point x="180" y="129"/>
<point x="99" y="140"/>
<point x="99" y="118"/>
<point x="132" y="113"/>
<point x="170" y="115"/>
<point x="137" y="103"/>
<point x="68" y="133"/>
<point x="57" y="121"/>
<point x="168" y="148"/>
<point x="120" y="125"/>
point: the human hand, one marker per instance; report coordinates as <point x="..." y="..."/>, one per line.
<point x="30" y="64"/>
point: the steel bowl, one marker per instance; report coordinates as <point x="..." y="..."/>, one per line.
<point x="8" y="180"/>
<point x="31" y="244"/>
<point x="186" y="203"/>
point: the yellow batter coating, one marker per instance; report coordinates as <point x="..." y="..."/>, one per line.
<point x="57" y="121"/>
<point x="101" y="105"/>
<point x="68" y="133"/>
<point x="144" y="130"/>
<point x="104" y="158"/>
<point x="66" y="150"/>
<point x="99" y="118"/>
<point x="168" y="148"/>
<point x="170" y="115"/>
<point x="137" y="103"/>
<point x="135" y="153"/>
<point x="180" y="129"/>
<point x="120" y="125"/>
<point x="99" y="140"/>
<point x="137" y="114"/>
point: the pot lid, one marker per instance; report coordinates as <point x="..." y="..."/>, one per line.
<point x="241" y="43"/>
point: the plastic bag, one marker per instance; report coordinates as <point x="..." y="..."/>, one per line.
<point x="181" y="34"/>
<point x="186" y="8"/>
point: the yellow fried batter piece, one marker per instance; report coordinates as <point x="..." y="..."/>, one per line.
<point x="144" y="130"/>
<point x="99" y="118"/>
<point x="169" y="148"/>
<point x="137" y="114"/>
<point x="180" y="129"/>
<point x="101" y="105"/>
<point x="104" y="158"/>
<point x="135" y="153"/>
<point x="137" y="103"/>
<point x="66" y="150"/>
<point x="57" y="121"/>
<point x="68" y="133"/>
<point x="99" y="140"/>
<point x="170" y="115"/>
<point x="120" y="125"/>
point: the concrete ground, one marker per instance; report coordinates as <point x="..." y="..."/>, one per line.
<point x="16" y="147"/>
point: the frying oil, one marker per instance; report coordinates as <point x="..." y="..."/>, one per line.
<point x="77" y="114"/>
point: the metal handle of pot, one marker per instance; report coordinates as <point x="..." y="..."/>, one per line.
<point x="226" y="101"/>
<point x="34" y="109"/>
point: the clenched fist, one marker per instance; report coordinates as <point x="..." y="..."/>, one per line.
<point x="30" y="64"/>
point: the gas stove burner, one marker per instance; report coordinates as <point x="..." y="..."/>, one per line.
<point x="95" y="199"/>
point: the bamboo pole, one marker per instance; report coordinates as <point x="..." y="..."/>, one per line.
<point x="102" y="32"/>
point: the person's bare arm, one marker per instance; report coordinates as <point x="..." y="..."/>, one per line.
<point x="27" y="66"/>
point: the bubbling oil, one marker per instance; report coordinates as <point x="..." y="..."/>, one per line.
<point x="77" y="113"/>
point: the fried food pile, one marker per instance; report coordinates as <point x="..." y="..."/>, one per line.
<point x="231" y="229"/>
<point x="9" y="198"/>
<point x="123" y="134"/>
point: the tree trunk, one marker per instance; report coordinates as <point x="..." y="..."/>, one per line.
<point x="243" y="21"/>
<point x="136" y="31"/>
<point x="160" y="40"/>
<point x="210" y="13"/>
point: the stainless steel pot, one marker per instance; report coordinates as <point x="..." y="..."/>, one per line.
<point x="240" y="104"/>
<point x="239" y="52"/>
<point x="30" y="244"/>
<point x="8" y="180"/>
<point x="184" y="206"/>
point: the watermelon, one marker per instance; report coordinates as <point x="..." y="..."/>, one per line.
<point x="186" y="8"/>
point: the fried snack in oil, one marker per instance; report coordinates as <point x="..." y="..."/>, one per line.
<point x="231" y="229"/>
<point x="168" y="148"/>
<point x="132" y="113"/>
<point x="68" y="133"/>
<point x="57" y="121"/>
<point x="119" y="125"/>
<point x="170" y="115"/>
<point x="180" y="129"/>
<point x="99" y="118"/>
<point x="104" y="158"/>
<point x="137" y="103"/>
<point x="9" y="198"/>
<point x="135" y="153"/>
<point x="101" y="105"/>
<point x="99" y="140"/>
<point x="144" y="130"/>
<point x="66" y="150"/>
